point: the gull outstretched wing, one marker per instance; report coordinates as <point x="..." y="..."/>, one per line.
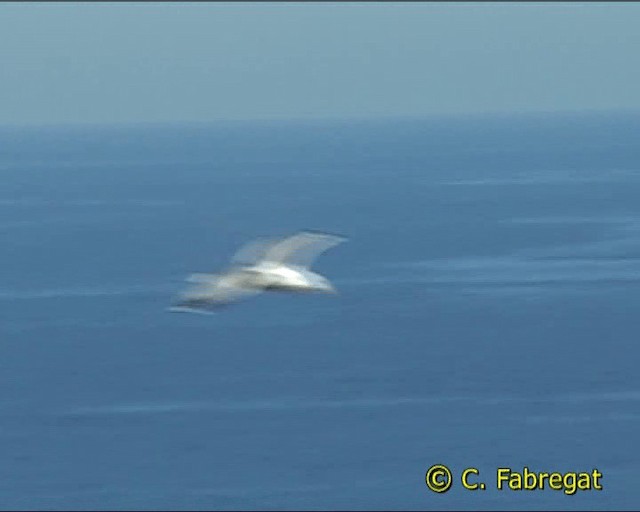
<point x="301" y="249"/>
<point x="253" y="252"/>
<point x="214" y="291"/>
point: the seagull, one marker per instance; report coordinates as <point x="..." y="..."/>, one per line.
<point x="280" y="265"/>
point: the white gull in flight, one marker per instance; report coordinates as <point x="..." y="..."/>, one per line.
<point x="264" y="265"/>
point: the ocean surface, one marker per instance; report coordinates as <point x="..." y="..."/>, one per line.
<point x="488" y="314"/>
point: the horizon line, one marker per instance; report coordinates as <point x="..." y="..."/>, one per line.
<point x="329" y="119"/>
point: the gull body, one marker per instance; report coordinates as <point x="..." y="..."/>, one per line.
<point x="288" y="278"/>
<point x="266" y="265"/>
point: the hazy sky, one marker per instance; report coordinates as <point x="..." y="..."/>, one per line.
<point x="102" y="62"/>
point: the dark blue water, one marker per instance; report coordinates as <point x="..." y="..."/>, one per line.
<point x="488" y="314"/>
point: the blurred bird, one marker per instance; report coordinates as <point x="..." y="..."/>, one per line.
<point x="263" y="265"/>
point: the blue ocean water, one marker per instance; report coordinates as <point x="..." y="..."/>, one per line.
<point x="488" y="313"/>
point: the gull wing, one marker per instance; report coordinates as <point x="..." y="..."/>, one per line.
<point x="301" y="249"/>
<point x="214" y="291"/>
<point x="253" y="252"/>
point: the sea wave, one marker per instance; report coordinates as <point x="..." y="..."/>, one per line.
<point x="555" y="177"/>
<point x="80" y="291"/>
<point x="301" y="403"/>
<point x="39" y="202"/>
